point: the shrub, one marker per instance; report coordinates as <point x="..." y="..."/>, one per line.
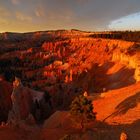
<point x="81" y="110"/>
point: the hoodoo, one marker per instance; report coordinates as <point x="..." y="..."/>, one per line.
<point x="54" y="67"/>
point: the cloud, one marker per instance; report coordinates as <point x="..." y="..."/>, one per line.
<point x="81" y="14"/>
<point x="126" y="23"/>
<point x="4" y="12"/>
<point x="3" y="22"/>
<point x="22" y="17"/>
<point x="15" y="2"/>
<point x="39" y="12"/>
<point x="4" y="16"/>
<point x="88" y="14"/>
<point x="60" y="16"/>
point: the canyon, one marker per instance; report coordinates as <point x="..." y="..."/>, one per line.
<point x="63" y="64"/>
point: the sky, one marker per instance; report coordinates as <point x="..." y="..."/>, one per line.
<point x="88" y="15"/>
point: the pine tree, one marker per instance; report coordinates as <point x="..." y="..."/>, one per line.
<point x="81" y="110"/>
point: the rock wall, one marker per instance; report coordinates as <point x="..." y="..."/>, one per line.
<point x="130" y="61"/>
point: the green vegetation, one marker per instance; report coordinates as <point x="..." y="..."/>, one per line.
<point x="124" y="35"/>
<point x="81" y="110"/>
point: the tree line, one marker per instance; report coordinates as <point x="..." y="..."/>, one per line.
<point x="123" y="35"/>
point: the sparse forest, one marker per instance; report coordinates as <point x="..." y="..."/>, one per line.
<point x="123" y="35"/>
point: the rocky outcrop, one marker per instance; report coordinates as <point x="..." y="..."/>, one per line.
<point x="21" y="103"/>
<point x="25" y="102"/>
<point x="130" y="61"/>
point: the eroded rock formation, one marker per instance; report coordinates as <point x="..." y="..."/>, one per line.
<point x="21" y="103"/>
<point x="56" y="66"/>
<point x="67" y="63"/>
<point x="25" y="103"/>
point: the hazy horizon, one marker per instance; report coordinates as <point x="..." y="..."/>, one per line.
<point x="69" y="30"/>
<point x="86" y="15"/>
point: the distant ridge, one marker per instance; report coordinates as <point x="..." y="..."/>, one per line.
<point x="14" y="36"/>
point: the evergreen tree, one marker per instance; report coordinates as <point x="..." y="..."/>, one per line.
<point x="81" y="110"/>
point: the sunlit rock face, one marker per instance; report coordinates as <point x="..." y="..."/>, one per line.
<point x="88" y="58"/>
<point x="53" y="67"/>
<point x="64" y="64"/>
<point x="131" y="61"/>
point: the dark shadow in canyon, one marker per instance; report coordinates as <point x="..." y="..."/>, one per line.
<point x="97" y="80"/>
<point x="128" y="103"/>
<point x="113" y="132"/>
